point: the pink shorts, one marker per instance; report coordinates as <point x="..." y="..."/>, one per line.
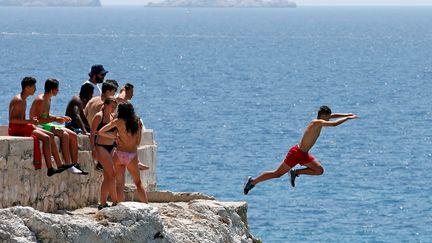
<point x="296" y="156"/>
<point x="124" y="157"/>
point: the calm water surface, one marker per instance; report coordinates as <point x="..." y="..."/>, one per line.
<point x="229" y="91"/>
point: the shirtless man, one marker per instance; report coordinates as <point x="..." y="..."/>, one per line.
<point x="96" y="103"/>
<point x="126" y="93"/>
<point x="75" y="110"/>
<point x="129" y="130"/>
<point x="299" y="154"/>
<point x="69" y="141"/>
<point x="19" y="126"/>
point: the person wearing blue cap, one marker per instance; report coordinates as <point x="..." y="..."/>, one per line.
<point x="96" y="76"/>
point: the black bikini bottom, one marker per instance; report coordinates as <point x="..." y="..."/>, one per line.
<point x="109" y="148"/>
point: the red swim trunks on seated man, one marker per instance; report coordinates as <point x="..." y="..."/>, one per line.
<point x="40" y="108"/>
<point x="20" y="126"/>
<point x="299" y="154"/>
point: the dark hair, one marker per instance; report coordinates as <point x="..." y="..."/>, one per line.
<point x="127" y="113"/>
<point x="128" y="86"/>
<point x="108" y="87"/>
<point x="324" y="110"/>
<point x="113" y="82"/>
<point x="27" y="81"/>
<point x="86" y="91"/>
<point x="51" y="84"/>
<point x="109" y="100"/>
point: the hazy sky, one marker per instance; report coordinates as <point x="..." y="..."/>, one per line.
<point x="300" y="2"/>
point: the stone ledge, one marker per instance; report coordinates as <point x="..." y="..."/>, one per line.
<point x="21" y="184"/>
<point x="165" y="196"/>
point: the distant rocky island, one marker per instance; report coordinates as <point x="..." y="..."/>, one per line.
<point x="225" y="3"/>
<point x="53" y="3"/>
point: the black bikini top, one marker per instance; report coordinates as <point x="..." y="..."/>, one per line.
<point x="102" y="124"/>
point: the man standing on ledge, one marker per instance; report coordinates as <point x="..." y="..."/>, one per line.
<point x="299" y="154"/>
<point x="96" y="76"/>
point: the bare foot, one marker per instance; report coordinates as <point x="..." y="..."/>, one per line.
<point x="142" y="166"/>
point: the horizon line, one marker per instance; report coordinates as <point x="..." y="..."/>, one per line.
<point x="298" y="5"/>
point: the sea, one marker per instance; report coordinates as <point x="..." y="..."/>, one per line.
<point x="229" y="91"/>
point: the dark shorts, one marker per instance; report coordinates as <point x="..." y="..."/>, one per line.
<point x="296" y="156"/>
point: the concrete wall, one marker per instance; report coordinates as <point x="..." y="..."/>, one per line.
<point x="21" y="184"/>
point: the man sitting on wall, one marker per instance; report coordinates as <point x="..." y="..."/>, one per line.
<point x="20" y="126"/>
<point x="75" y="110"/>
<point x="69" y="141"/>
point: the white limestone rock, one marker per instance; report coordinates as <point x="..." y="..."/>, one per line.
<point x="127" y="222"/>
<point x="13" y="228"/>
<point x="193" y="221"/>
<point x="205" y="221"/>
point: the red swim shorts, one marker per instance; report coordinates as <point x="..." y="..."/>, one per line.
<point x="296" y="156"/>
<point x="22" y="130"/>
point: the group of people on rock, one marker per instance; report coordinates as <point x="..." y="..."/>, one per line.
<point x="108" y="119"/>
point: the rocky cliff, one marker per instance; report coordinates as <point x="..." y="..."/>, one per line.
<point x="55" y="3"/>
<point x="193" y="221"/>
<point x="69" y="202"/>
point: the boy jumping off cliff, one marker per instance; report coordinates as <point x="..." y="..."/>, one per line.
<point x="299" y="154"/>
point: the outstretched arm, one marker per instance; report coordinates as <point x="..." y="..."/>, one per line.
<point x="36" y="110"/>
<point x="325" y="123"/>
<point x="104" y="130"/>
<point x="338" y="115"/>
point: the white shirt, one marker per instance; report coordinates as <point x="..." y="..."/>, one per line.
<point x="97" y="90"/>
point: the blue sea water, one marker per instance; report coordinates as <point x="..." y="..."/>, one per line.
<point x="229" y="91"/>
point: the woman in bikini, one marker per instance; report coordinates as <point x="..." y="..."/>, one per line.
<point x="102" y="148"/>
<point x="125" y="155"/>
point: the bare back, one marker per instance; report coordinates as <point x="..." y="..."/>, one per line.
<point x="17" y="109"/>
<point x="127" y="141"/>
<point x="74" y="107"/>
<point x="93" y="106"/>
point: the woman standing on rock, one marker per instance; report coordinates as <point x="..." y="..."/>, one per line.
<point x="102" y="148"/>
<point x="125" y="155"/>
